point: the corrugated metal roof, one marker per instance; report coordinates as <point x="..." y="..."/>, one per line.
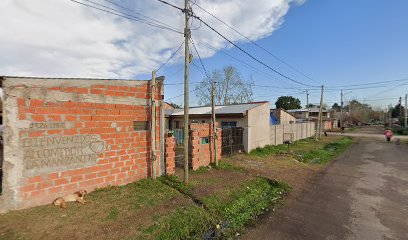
<point x="305" y="110"/>
<point x="226" y="109"/>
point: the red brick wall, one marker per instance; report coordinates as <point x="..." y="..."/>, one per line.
<point x="127" y="152"/>
<point x="203" y="154"/>
<point x="170" y="155"/>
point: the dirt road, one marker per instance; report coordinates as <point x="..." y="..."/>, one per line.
<point x="362" y="195"/>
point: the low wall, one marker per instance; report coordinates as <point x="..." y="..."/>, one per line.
<point x="202" y="148"/>
<point x="62" y="135"/>
<point x="280" y="133"/>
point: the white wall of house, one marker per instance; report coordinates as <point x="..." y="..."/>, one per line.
<point x="258" y="127"/>
<point x="286" y="118"/>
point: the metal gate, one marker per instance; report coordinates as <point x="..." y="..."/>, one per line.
<point x="232" y="140"/>
<point x="179" y="148"/>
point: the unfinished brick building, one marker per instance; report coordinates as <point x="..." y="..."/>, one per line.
<point x="61" y="135"/>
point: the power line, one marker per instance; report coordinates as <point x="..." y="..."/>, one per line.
<point x="236" y="46"/>
<point x="256" y="44"/>
<point x="137" y="13"/>
<point x="251" y="56"/>
<point x="371" y="83"/>
<point x="199" y="57"/>
<point x="172" y="5"/>
<point x="125" y="15"/>
<point x="171" y="56"/>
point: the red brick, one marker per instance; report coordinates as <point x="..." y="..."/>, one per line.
<point x="90" y="176"/>
<point x="71" y="187"/>
<point x="35" y="179"/>
<point x="21" y="102"/>
<point x="43" y="185"/>
<point x="55" y="131"/>
<point x="28" y="188"/>
<point x="55" y="190"/>
<point x="36" y="103"/>
<point x="85" y="118"/>
<point x="71" y="118"/>
<point x="103" y="174"/>
<point x="96" y="91"/>
<point x="38" y="118"/>
<point x="52" y="176"/>
<point x="59" y="111"/>
<point x="54" y="117"/>
<point x="70" y="104"/>
<point x="70" y="131"/>
<point x="77" y="178"/>
<point x="38" y="193"/>
<point x="110" y="178"/>
<point x="60" y="181"/>
<point x="36" y="133"/>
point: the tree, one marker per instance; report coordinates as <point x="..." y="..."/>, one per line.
<point x="288" y="102"/>
<point x="230" y="87"/>
<point x="336" y="107"/>
<point x="359" y="113"/>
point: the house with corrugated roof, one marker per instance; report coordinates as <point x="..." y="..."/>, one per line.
<point x="253" y="117"/>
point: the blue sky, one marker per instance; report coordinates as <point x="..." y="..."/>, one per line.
<point x="334" y="42"/>
<point x="337" y="43"/>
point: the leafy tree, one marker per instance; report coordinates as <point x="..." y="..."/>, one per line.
<point x="230" y="87"/>
<point x="336" y="107"/>
<point x="396" y="111"/>
<point x="288" y="102"/>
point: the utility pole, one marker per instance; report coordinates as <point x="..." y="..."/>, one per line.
<point x="341" y="108"/>
<point x="307" y="99"/>
<point x="389" y="116"/>
<point x="406" y="112"/>
<point x="319" y="123"/>
<point x="187" y="60"/>
<point x="215" y="137"/>
<point x="153" y="124"/>
<point x="400" y="111"/>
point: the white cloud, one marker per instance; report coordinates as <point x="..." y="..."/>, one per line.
<point x="62" y="39"/>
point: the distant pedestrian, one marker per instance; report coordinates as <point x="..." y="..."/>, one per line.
<point x="342" y="129"/>
<point x="388" y="135"/>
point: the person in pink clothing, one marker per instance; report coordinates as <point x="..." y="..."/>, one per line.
<point x="388" y="135"/>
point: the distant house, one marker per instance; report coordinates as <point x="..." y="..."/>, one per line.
<point x="281" y="116"/>
<point x="312" y="114"/>
<point x="253" y="117"/>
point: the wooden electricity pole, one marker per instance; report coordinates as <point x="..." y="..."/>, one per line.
<point x="341" y="108"/>
<point x="153" y="124"/>
<point x="215" y="137"/>
<point x="406" y="112"/>
<point x="187" y="59"/>
<point x="319" y="123"/>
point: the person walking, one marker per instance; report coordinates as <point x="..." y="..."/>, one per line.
<point x="388" y="135"/>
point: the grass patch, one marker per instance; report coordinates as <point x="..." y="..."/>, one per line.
<point x="222" y="165"/>
<point x="328" y="152"/>
<point x="307" y="150"/>
<point x="184" y="223"/>
<point x="174" y="182"/>
<point x="227" y="213"/>
<point x="202" y="169"/>
<point x="246" y="202"/>
<point x="111" y="213"/>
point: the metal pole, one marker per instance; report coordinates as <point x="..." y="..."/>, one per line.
<point x="187" y="59"/>
<point x="153" y="123"/>
<point x="215" y="137"/>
